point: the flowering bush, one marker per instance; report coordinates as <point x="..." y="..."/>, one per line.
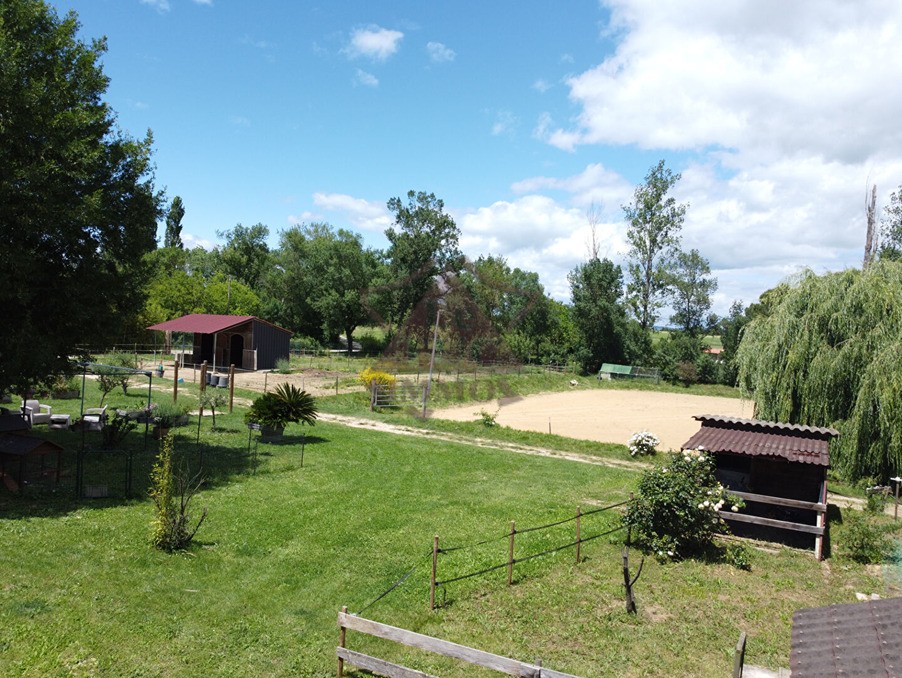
<point x="643" y="443"/>
<point x="369" y="376"/>
<point x="674" y="512"/>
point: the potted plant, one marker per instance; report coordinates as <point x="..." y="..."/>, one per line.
<point x="165" y="416"/>
<point x="65" y="388"/>
<point x="274" y="410"/>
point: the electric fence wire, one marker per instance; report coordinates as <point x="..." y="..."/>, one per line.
<point x="449" y="549"/>
<point x="492" y="568"/>
<point x="393" y="586"/>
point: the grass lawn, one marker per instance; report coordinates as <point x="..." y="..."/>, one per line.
<point x="285" y="546"/>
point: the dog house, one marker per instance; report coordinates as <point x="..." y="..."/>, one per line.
<point x="779" y="470"/>
<point x="247" y="342"/>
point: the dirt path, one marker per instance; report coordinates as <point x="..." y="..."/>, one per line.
<point x="605" y="415"/>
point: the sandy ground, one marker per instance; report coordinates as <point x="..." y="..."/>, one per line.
<point x="606" y="415"/>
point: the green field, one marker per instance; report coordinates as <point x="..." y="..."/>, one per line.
<point x="285" y="546"/>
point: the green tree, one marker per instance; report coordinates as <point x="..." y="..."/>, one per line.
<point x="595" y="290"/>
<point x="245" y="256"/>
<point x="891" y="228"/>
<point x="829" y="354"/>
<point x="337" y="272"/>
<point x="173" y="236"/>
<point x="691" y="286"/>
<point x="423" y="246"/>
<point x="655" y="220"/>
<point x="79" y="209"/>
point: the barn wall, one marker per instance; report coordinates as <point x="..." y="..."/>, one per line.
<point x="272" y="343"/>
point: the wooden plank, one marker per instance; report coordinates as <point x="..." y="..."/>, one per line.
<point x="550" y="673"/>
<point x="446" y="648"/>
<point x="780" y="501"/>
<point x="739" y="656"/>
<point x="770" y="522"/>
<point x="379" y="666"/>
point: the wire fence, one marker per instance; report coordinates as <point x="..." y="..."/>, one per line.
<point x="435" y="583"/>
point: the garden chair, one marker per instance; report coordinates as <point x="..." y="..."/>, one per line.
<point x="94" y="418"/>
<point x="36" y="413"/>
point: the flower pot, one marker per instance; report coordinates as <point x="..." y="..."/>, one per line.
<point x="271" y="434"/>
<point x="160" y="432"/>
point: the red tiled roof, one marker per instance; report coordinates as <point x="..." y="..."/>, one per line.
<point x="855" y="639"/>
<point x="202" y="323"/>
<point x="754" y="437"/>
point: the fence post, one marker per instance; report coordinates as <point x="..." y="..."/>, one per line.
<point x="578" y="542"/>
<point x="175" y="381"/>
<point x="203" y="376"/>
<point x="434" y="568"/>
<point x="510" y="554"/>
<point x="341" y="643"/>
<point x="231" y="386"/>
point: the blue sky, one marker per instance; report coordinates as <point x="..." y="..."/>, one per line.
<point x="521" y="116"/>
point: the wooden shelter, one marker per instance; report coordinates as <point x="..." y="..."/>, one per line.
<point x="25" y="458"/>
<point x="244" y="341"/>
<point x="779" y="470"/>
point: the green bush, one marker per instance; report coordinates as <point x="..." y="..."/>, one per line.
<point x="674" y="511"/>
<point x="171" y="524"/>
<point x="283" y="366"/>
<point x="286" y="404"/>
<point x="863" y="540"/>
<point x="738" y="556"/>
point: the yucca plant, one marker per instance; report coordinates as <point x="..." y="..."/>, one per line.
<point x="286" y="404"/>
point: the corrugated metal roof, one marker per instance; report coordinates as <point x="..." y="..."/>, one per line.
<point x="855" y="639"/>
<point x="754" y="437"/>
<point x="762" y="424"/>
<point x="202" y="323"/>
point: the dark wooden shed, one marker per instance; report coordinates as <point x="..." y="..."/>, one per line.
<point x="247" y="342"/>
<point x="779" y="470"/>
<point x="25" y="458"/>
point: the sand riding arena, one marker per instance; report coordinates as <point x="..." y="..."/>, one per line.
<point x="605" y="415"/>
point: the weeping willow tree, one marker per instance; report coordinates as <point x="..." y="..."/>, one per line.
<point x="830" y="354"/>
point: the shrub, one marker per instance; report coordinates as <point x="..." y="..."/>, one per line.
<point x="171" y="531"/>
<point x="864" y="541"/>
<point x="286" y="404"/>
<point x="115" y="431"/>
<point x="674" y="512"/>
<point x="283" y="366"/>
<point x="213" y="400"/>
<point x="488" y="418"/>
<point x="738" y="556"/>
<point x="643" y="443"/>
<point x="369" y="376"/>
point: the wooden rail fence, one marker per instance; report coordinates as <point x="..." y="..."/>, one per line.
<point x="820" y="508"/>
<point x="444" y="648"/>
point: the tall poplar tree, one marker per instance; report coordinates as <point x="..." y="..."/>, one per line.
<point x="655" y="220"/>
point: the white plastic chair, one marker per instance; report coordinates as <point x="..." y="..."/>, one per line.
<point x="35" y="413"/>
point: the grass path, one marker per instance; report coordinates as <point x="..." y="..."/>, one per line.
<point x="359" y="422"/>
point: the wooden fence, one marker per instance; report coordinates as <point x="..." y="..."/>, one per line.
<point x="820" y="508"/>
<point x="445" y="648"/>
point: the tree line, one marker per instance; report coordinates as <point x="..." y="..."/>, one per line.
<point x="323" y="283"/>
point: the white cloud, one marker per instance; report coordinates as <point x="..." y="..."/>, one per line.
<point x="363" y="214"/>
<point x="239" y="121"/>
<point x="785" y="111"/>
<point x="207" y="3"/>
<point x="536" y="233"/>
<point x="505" y="123"/>
<point x="160" y="5"/>
<point x="374" y="43"/>
<point x="440" y="53"/>
<point x="191" y="241"/>
<point x="541" y="86"/>
<point x="361" y="77"/>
